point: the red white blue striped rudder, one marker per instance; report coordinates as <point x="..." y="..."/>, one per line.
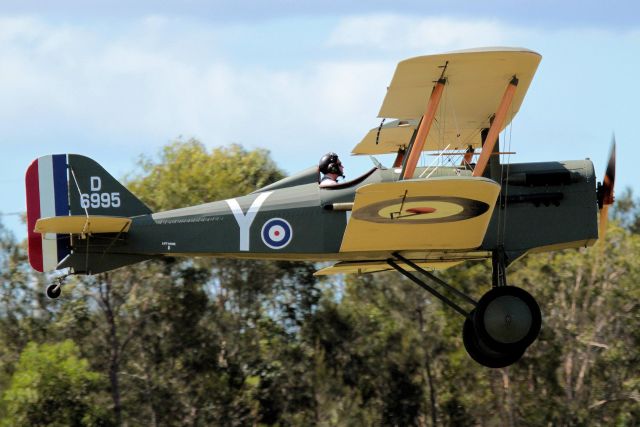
<point x="47" y="191"/>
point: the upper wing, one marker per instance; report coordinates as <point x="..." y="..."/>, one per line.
<point x="441" y="213"/>
<point x="79" y="224"/>
<point x="476" y="80"/>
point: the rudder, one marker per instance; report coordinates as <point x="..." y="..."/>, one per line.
<point x="47" y="195"/>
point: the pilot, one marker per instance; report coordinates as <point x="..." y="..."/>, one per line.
<point x="331" y="168"/>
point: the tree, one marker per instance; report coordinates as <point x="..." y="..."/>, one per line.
<point x="585" y="356"/>
<point x="627" y="211"/>
<point x="53" y="386"/>
<point x="185" y="174"/>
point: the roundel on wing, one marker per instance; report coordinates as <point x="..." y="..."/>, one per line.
<point x="276" y="233"/>
<point x="422" y="210"/>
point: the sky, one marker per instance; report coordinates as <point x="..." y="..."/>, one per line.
<point x="116" y="80"/>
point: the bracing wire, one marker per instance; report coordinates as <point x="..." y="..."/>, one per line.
<point x="75" y="180"/>
<point x="443" y="131"/>
<point x="455" y="118"/>
<point x="499" y="235"/>
<point x="86" y="224"/>
<point x="506" y="176"/>
<point x="435" y="168"/>
<point x="502" y="218"/>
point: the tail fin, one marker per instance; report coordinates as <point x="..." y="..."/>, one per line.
<point x="69" y="184"/>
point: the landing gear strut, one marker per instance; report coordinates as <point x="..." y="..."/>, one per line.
<point x="499" y="327"/>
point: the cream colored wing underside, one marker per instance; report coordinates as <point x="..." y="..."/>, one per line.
<point x="476" y="81"/>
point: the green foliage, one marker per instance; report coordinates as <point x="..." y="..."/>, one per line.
<point x="627" y="211"/>
<point x="186" y="174"/>
<point x="53" y="386"/>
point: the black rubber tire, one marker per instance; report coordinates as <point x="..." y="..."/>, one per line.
<point x="507" y="302"/>
<point x="482" y="354"/>
<point x="52" y="292"/>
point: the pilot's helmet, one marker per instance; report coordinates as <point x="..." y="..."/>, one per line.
<point x="329" y="163"/>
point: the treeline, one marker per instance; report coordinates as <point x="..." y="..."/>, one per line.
<point x="225" y="342"/>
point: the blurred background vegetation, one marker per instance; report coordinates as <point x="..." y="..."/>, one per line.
<point x="225" y="342"/>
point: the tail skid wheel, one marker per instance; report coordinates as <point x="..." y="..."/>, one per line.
<point x="481" y="353"/>
<point x="507" y="318"/>
<point x="54" y="290"/>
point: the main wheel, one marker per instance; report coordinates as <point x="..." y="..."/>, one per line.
<point x="481" y="353"/>
<point x="54" y="291"/>
<point x="507" y="319"/>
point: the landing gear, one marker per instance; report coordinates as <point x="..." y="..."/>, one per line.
<point x="504" y="323"/>
<point x="499" y="327"/>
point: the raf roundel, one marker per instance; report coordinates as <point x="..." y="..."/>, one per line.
<point x="276" y="233"/>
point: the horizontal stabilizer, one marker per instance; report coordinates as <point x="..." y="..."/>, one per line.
<point x="80" y="224"/>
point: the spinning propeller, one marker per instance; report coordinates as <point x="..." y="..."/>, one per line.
<point x="605" y="190"/>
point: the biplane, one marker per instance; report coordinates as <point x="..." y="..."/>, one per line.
<point x="412" y="218"/>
